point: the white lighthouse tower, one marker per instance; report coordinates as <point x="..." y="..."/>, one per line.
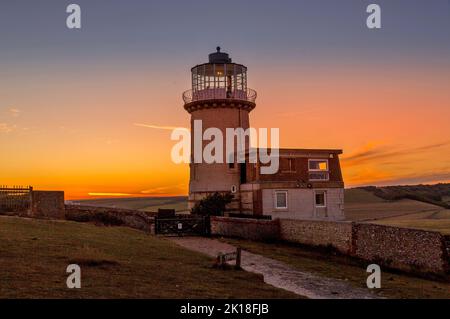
<point x="221" y="99"/>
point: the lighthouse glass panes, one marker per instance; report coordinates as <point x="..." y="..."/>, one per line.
<point x="219" y="81"/>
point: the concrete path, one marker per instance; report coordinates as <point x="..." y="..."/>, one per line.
<point x="279" y="274"/>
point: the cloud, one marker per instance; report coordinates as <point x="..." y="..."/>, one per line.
<point x="371" y="153"/>
<point x="165" y="190"/>
<point x="430" y="177"/>
<point x="14" y="112"/>
<point x="159" y="127"/>
<point x="7" y="128"/>
<point x="109" y="194"/>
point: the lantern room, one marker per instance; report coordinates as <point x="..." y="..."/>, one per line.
<point x="220" y="78"/>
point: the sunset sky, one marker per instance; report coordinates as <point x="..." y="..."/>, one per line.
<point x="70" y="99"/>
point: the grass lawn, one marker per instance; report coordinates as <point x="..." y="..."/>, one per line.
<point x="393" y="285"/>
<point x="115" y="262"/>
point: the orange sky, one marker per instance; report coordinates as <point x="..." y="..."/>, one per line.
<point x="77" y="133"/>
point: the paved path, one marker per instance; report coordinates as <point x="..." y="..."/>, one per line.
<point x="277" y="273"/>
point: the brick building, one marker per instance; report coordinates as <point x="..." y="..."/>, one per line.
<point x="308" y="184"/>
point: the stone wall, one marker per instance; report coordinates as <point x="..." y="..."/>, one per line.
<point x="245" y="228"/>
<point x="400" y="248"/>
<point x="317" y="233"/>
<point x="111" y="217"/>
<point x="47" y="204"/>
<point x="410" y="250"/>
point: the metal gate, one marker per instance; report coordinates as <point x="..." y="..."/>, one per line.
<point x="183" y="226"/>
<point x="15" y="199"/>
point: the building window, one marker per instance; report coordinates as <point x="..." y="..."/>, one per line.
<point x="321" y="199"/>
<point x="281" y="199"/>
<point x="288" y="165"/>
<point x="231" y="165"/>
<point x="318" y="170"/>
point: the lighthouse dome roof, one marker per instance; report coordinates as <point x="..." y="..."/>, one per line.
<point x="219" y="57"/>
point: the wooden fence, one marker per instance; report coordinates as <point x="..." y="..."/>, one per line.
<point x="15" y="198"/>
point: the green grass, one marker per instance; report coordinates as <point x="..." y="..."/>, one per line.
<point x="393" y="285"/>
<point x="149" y="204"/>
<point x="116" y="262"/>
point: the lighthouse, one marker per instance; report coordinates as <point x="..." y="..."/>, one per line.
<point x="220" y="99"/>
<point x="306" y="183"/>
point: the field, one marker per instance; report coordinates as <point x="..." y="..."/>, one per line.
<point x="116" y="262"/>
<point x="435" y="221"/>
<point x="361" y="205"/>
<point x="148" y="204"/>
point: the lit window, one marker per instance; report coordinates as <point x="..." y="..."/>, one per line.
<point x="318" y="170"/>
<point x="281" y="199"/>
<point x="318" y="165"/>
<point x="321" y="199"/>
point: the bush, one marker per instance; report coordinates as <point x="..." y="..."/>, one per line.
<point x="212" y="205"/>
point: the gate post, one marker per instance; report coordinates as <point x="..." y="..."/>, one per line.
<point x="156" y="225"/>
<point x="207" y="225"/>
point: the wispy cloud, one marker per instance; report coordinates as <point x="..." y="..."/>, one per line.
<point x="109" y="194"/>
<point x="7" y="128"/>
<point x="375" y="153"/>
<point x="165" y="190"/>
<point x="430" y="177"/>
<point x="160" y="127"/>
<point x="13" y="112"/>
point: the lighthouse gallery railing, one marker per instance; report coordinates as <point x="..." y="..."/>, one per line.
<point x="248" y="95"/>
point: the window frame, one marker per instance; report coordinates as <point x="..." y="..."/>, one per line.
<point x="310" y="170"/>
<point x="325" y="201"/>
<point x="285" y="192"/>
<point x="292" y="162"/>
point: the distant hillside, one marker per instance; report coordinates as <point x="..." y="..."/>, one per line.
<point x="438" y="194"/>
<point x="149" y="204"/>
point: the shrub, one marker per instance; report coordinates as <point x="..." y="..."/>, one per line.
<point x="212" y="205"/>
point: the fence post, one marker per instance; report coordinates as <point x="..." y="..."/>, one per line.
<point x="238" y="258"/>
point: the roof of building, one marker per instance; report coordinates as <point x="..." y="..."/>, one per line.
<point x="298" y="151"/>
<point x="219" y="57"/>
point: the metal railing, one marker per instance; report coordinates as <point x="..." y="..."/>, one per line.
<point x="248" y="95"/>
<point x="15" y="198"/>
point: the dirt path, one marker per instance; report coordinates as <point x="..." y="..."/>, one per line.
<point x="279" y="274"/>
